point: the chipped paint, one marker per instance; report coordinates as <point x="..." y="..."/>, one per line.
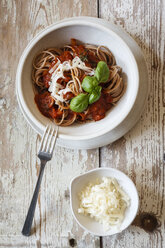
<point x="139" y="154"/>
<point x="2" y="103"/>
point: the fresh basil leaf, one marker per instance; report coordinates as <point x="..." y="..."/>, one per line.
<point x="89" y="84"/>
<point x="95" y="95"/>
<point x="102" y="72"/>
<point x="79" y="103"/>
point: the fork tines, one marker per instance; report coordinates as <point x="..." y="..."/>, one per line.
<point x="48" y="140"/>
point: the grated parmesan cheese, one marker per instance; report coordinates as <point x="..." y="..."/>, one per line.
<point x="58" y="72"/>
<point x="104" y="201"/>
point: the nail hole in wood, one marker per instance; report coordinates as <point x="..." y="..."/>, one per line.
<point x="72" y="242"/>
<point x="149" y="222"/>
<point x="67" y="194"/>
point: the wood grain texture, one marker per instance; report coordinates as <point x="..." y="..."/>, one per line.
<point x="53" y="222"/>
<point x="140" y="152"/>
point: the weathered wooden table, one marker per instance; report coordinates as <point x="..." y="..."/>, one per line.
<point x="139" y="153"/>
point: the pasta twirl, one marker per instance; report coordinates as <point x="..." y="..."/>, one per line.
<point x="58" y="75"/>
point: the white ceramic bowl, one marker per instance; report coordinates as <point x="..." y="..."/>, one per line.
<point x="88" y="32"/>
<point x="89" y="224"/>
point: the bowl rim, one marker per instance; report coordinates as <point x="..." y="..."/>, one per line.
<point x="46" y="31"/>
<point x="90" y="172"/>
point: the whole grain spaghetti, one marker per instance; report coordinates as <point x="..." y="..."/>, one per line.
<point x="72" y="83"/>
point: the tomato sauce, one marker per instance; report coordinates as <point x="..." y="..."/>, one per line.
<point x="46" y="103"/>
<point x="68" y="96"/>
<point x="46" y="79"/>
<point x="65" y="56"/>
<point x="87" y="56"/>
<point x="98" y="109"/>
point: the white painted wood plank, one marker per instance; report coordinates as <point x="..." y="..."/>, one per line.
<point x="140" y="152"/>
<point x="53" y="223"/>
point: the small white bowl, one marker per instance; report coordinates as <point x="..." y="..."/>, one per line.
<point x="89" y="224"/>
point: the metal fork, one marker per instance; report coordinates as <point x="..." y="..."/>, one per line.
<point x="45" y="154"/>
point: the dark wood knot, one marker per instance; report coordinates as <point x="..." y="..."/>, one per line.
<point x="149" y="222"/>
<point x="72" y="242"/>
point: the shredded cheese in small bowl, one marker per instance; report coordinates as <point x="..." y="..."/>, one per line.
<point x="104" y="201"/>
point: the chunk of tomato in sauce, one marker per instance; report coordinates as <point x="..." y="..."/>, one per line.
<point x="65" y="56"/>
<point x="92" y="57"/>
<point x="73" y="42"/>
<point x="46" y="79"/>
<point x="68" y="96"/>
<point x="55" y="113"/>
<point x="67" y="77"/>
<point x="44" y="102"/>
<point x="98" y="117"/>
<point x="46" y="105"/>
<point x="64" y="80"/>
<point x="108" y="98"/>
<point x="80" y="50"/>
<point x="98" y="109"/>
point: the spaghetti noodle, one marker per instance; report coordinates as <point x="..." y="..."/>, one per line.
<point x="58" y="75"/>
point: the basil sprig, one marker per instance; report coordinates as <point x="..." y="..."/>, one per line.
<point x="95" y="95"/>
<point x="91" y="86"/>
<point x="102" y="72"/>
<point x="79" y="103"/>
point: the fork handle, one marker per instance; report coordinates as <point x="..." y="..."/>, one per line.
<point x="29" y="218"/>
